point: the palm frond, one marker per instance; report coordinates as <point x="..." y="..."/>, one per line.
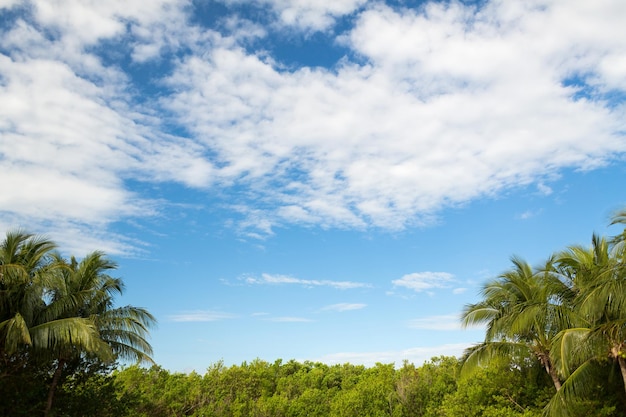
<point x="61" y="334"/>
<point x="569" y="349"/>
<point x="482" y="354"/>
<point x="15" y="333"/>
<point x="573" y="389"/>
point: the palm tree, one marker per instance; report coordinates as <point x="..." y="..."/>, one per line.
<point x="523" y="310"/>
<point x="599" y="278"/>
<point x="85" y="290"/>
<point x="27" y="273"/>
<point x="55" y="311"/>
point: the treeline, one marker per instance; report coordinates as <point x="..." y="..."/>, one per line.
<point x="311" y="389"/>
<point x="308" y="389"/>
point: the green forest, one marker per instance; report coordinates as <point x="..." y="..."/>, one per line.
<point x="555" y="345"/>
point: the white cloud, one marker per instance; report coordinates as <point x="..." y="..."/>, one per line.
<point x="423" y="281"/>
<point x="153" y="25"/>
<point x="444" y="104"/>
<point x="417" y="355"/>
<point x="200" y="316"/>
<point x="273" y="279"/>
<point x="71" y="134"/>
<point x="344" y="307"/>
<point x="307" y="15"/>
<point x="528" y="214"/>
<point x="243" y="30"/>
<point x="440" y="323"/>
<point x="290" y="320"/>
<point x="544" y="189"/>
<point x="7" y="4"/>
<point x="63" y="148"/>
<point x="452" y="104"/>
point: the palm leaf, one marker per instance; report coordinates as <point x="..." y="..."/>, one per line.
<point x="482" y="354"/>
<point x="75" y="332"/>
<point x="15" y="332"/>
<point x="575" y="387"/>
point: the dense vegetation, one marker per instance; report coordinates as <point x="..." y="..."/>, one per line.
<point x="307" y="389"/>
<point x="555" y="345"/>
<point x="58" y="323"/>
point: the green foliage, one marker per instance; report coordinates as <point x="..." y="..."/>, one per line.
<point x="500" y="389"/>
<point x="373" y="395"/>
<point x="58" y="324"/>
<point x="91" y="391"/>
<point x="23" y="392"/>
<point x="263" y="389"/>
<point x="421" y="390"/>
<point x="295" y="389"/>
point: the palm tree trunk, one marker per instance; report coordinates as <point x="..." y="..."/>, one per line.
<point x="622" y="368"/>
<point x="554" y="376"/>
<point x="547" y="364"/>
<point x="53" y="385"/>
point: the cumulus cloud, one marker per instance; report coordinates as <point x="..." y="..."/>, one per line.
<point x="423" y="281"/>
<point x="453" y="103"/>
<point x="72" y="133"/>
<point x="273" y="279"/>
<point x="306" y="15"/>
<point x="153" y="26"/>
<point x="431" y="107"/>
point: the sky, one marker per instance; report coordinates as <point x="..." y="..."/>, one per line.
<point x="323" y="180"/>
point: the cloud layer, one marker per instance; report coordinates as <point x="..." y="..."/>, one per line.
<point x="430" y="107"/>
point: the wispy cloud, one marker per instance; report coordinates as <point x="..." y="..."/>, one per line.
<point x="443" y="323"/>
<point x="272" y="279"/>
<point x="529" y="214"/>
<point x="423" y="281"/>
<point x="289" y="319"/>
<point x="200" y="316"/>
<point x="417" y="355"/>
<point x="544" y="189"/>
<point x="344" y="307"/>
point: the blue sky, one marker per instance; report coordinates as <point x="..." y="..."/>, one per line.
<point x="311" y="180"/>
